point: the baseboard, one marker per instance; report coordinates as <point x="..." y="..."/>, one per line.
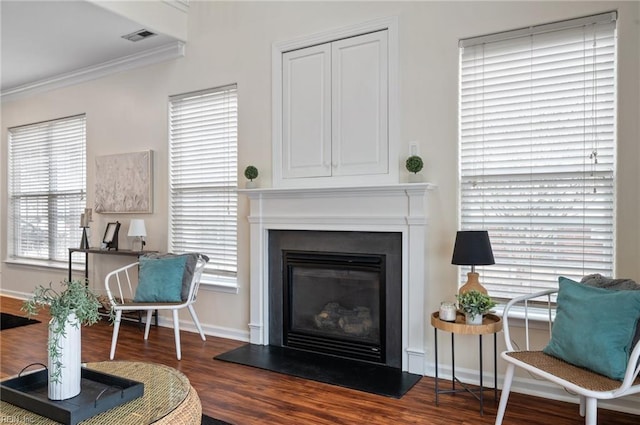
<point x="186" y="325"/>
<point x="15" y="294"/>
<point x="217" y="331"/>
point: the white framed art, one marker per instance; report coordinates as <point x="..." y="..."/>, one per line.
<point x="124" y="183"/>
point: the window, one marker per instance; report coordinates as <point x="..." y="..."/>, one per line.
<point x="537" y="151"/>
<point x="203" y="169"/>
<point x="47" y="188"/>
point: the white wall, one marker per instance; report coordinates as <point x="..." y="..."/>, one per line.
<point x="231" y="42"/>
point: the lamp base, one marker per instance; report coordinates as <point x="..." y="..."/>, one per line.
<point x="472" y="284"/>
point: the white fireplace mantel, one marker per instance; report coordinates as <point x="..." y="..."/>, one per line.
<point x="387" y="208"/>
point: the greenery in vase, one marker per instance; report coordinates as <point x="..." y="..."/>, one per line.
<point x="251" y="172"/>
<point x="474" y="303"/>
<point x="414" y="164"/>
<point x="73" y="297"/>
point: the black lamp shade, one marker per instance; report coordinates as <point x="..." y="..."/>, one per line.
<point x="472" y="248"/>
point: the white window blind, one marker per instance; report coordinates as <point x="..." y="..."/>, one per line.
<point x="203" y="159"/>
<point x="537" y="151"/>
<point x="47" y="188"/>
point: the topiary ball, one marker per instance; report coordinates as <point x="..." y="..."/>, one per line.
<point x="414" y="163"/>
<point x="251" y="172"/>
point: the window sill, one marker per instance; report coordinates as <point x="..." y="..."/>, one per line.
<point x="538" y="317"/>
<point x="43" y="264"/>
<point x="217" y="284"/>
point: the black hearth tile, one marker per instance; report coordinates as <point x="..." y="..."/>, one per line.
<point x="362" y="376"/>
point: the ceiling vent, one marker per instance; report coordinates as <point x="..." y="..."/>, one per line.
<point x="139" y="35"/>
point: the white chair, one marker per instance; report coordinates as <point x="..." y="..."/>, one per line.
<point x="121" y="292"/>
<point x="587" y="385"/>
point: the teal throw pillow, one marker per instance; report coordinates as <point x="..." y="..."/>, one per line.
<point x="594" y="327"/>
<point x="190" y="266"/>
<point x="160" y="279"/>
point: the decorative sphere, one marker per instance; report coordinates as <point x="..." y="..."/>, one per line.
<point x="414" y="163"/>
<point x="251" y="172"/>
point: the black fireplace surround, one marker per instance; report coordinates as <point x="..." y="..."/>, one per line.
<point x="337" y="293"/>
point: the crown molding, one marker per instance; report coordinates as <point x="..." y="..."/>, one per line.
<point x="182" y="5"/>
<point x="148" y="57"/>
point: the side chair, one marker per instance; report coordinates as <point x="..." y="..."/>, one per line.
<point x="592" y="351"/>
<point x="164" y="282"/>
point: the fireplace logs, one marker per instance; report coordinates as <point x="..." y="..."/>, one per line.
<point x="355" y="322"/>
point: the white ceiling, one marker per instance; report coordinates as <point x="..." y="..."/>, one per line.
<point x="44" y="40"/>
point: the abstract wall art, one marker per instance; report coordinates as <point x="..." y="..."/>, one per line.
<point x="124" y="183"/>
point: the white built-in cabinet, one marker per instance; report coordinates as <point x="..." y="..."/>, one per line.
<point x="335" y="108"/>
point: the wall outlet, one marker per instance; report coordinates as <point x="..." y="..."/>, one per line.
<point x="413" y="148"/>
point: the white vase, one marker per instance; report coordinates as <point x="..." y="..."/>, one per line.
<point x="69" y="346"/>
<point x="251" y="184"/>
<point x="476" y="320"/>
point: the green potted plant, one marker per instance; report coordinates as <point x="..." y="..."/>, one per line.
<point x="474" y="304"/>
<point x="414" y="165"/>
<point x="251" y="173"/>
<point x="70" y="307"/>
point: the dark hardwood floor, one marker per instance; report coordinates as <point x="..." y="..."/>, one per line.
<point x="243" y="395"/>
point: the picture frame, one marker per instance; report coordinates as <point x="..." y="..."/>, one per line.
<point x="110" y="238"/>
<point x="124" y="183"/>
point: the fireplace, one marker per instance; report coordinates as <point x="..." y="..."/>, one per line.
<point x="337" y="293"/>
<point x="399" y="209"/>
<point x="333" y="304"/>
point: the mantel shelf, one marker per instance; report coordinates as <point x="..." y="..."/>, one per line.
<point x="377" y="190"/>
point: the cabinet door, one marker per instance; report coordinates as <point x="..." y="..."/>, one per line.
<point x="306" y="112"/>
<point x="360" y="105"/>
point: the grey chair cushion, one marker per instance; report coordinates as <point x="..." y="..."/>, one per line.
<point x="600" y="281"/>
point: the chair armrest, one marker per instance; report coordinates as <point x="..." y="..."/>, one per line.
<point x="523" y="301"/>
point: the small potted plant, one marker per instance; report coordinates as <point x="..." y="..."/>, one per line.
<point x="70" y="307"/>
<point x="251" y="173"/>
<point x="414" y="165"/>
<point x="474" y="304"/>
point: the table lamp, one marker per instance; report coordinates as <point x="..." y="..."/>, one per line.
<point x="472" y="248"/>
<point x="137" y="230"/>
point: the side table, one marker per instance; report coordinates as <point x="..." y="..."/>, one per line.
<point x="491" y="324"/>
<point x="88" y="251"/>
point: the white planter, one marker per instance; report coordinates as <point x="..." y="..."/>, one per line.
<point x="415" y="178"/>
<point x="69" y="347"/>
<point x="251" y="184"/>
<point x="477" y="319"/>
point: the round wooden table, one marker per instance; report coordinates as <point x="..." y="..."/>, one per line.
<point x="168" y="398"/>
<point x="491" y="324"/>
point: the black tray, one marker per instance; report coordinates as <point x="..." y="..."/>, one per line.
<point x="99" y="392"/>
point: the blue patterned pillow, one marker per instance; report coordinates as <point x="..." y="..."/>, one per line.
<point x="160" y="279"/>
<point x="594" y="327"/>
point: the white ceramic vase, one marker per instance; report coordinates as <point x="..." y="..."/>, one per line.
<point x="476" y="320"/>
<point x="69" y="346"/>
